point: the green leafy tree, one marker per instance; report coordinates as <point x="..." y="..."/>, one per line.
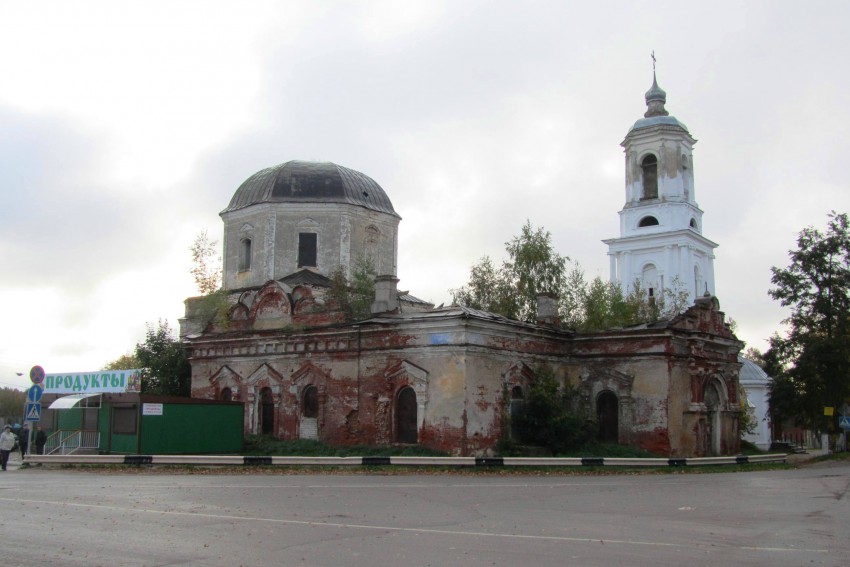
<point x="206" y="263"/>
<point x="573" y="302"/>
<point x="489" y="289"/>
<point x="533" y="267"/>
<point x="12" y="403"/>
<point x="165" y="368"/>
<point x="812" y="361"/>
<point x="605" y="306"/>
<point x="354" y="296"/>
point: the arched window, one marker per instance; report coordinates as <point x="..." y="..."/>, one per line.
<point x="648" y="221"/>
<point x="309" y="423"/>
<point x="649" y="165"/>
<point x="226" y="395"/>
<point x="517" y="403"/>
<point x="694" y="224"/>
<point x="310" y="407"/>
<point x="245" y="254"/>
<point x="649" y="280"/>
<point x="266" y="411"/>
<point x="607" y="415"/>
<point x="405" y="414"/>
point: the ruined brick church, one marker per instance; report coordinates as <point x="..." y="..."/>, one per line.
<point x="448" y="377"/>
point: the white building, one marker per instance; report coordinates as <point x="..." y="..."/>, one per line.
<point x="661" y="242"/>
<point x="756" y="384"/>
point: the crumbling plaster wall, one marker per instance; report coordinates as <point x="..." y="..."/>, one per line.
<point x="462" y="368"/>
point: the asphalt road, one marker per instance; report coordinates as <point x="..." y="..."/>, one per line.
<point x="92" y="517"/>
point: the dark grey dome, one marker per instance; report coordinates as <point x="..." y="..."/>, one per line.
<point x="311" y="182"/>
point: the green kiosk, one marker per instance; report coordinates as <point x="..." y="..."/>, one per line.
<point x="104" y="413"/>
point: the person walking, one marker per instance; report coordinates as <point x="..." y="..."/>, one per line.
<point x="7" y="443"/>
<point x="24" y="440"/>
<point x="40" y="440"/>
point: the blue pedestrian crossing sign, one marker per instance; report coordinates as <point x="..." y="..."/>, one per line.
<point x="844" y="422"/>
<point x="32" y="412"/>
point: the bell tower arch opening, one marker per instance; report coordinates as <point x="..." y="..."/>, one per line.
<point x="649" y="170"/>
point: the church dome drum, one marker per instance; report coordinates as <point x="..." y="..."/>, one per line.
<point x="302" y="215"/>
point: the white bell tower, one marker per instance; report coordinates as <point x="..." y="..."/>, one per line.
<point x="661" y="242"/>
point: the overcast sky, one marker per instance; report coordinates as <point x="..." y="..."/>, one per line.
<point x="125" y="128"/>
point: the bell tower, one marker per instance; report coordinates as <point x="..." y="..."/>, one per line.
<point x="661" y="243"/>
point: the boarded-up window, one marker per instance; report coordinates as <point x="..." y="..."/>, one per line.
<point x="311" y="402"/>
<point x="406" y="430"/>
<point x="124" y="420"/>
<point x="517" y="402"/>
<point x="307" y="249"/>
<point x="266" y="411"/>
<point x="607" y="415"/>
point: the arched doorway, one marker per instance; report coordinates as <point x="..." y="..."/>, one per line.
<point x="405" y="414"/>
<point x="309" y="413"/>
<point x="712" y="400"/>
<point x="226" y="395"/>
<point x="517" y="402"/>
<point x="607" y="416"/>
<point x="266" y="411"/>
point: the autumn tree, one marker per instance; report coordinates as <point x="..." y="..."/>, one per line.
<point x="206" y="263"/>
<point x="812" y="360"/>
<point x="123" y="362"/>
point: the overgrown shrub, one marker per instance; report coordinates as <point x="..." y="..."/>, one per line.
<point x="546" y="420"/>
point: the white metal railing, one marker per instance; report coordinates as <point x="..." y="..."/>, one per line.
<point x="67" y="442"/>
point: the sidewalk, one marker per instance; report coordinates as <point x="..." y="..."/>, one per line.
<point x="797" y="458"/>
<point x="15" y="461"/>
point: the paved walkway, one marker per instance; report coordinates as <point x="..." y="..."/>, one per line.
<point x="15" y="461"/>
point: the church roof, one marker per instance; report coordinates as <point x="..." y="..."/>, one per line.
<point x="656" y="114"/>
<point x="306" y="277"/>
<point x="751" y="373"/>
<point x="311" y="182"/>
